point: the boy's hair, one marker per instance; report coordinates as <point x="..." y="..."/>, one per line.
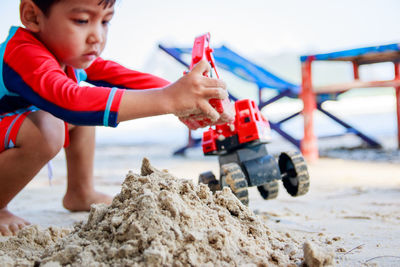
<point x="45" y="5"/>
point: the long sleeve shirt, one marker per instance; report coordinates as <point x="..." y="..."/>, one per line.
<point x="31" y="78"/>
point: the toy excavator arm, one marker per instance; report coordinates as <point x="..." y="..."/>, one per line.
<point x="201" y="50"/>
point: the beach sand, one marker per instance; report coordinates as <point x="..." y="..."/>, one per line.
<point x="351" y="208"/>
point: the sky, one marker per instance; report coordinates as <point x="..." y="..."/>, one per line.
<point x="252" y="27"/>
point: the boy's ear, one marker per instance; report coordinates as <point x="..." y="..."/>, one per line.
<point x="30" y="15"/>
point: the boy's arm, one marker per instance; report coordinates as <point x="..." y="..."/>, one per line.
<point x="187" y="96"/>
<point x="111" y="74"/>
<point x="156" y="102"/>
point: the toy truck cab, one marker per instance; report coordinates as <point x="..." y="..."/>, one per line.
<point x="249" y="126"/>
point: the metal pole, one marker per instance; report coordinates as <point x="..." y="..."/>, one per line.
<point x="397" y="77"/>
<point x="309" y="146"/>
<point x="355" y="71"/>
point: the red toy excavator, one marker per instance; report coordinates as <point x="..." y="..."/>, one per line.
<point x="241" y="147"/>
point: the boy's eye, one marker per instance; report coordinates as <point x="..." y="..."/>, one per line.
<point x="105" y="22"/>
<point x="81" y="21"/>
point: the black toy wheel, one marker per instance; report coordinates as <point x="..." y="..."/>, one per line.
<point x="233" y="176"/>
<point x="294" y="172"/>
<point x="269" y="190"/>
<point x="209" y="179"/>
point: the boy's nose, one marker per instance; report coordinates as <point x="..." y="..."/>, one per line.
<point x="96" y="35"/>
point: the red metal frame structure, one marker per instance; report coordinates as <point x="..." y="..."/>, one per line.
<point x="359" y="56"/>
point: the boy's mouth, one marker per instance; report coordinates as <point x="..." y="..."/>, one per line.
<point x="91" y="55"/>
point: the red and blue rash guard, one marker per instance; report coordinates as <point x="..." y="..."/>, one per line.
<point x="31" y="78"/>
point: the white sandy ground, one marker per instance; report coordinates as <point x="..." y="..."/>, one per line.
<point x="353" y="206"/>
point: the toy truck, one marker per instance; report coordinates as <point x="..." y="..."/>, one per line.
<point x="241" y="148"/>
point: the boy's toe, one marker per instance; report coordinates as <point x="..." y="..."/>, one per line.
<point x="23" y="224"/>
<point x="10" y="224"/>
<point x="4" y="230"/>
<point x="14" y="228"/>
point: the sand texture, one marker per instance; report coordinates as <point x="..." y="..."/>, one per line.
<point x="159" y="220"/>
<point x="351" y="208"/>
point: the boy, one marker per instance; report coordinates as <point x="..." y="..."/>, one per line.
<point x="42" y="107"/>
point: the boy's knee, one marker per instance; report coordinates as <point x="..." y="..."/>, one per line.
<point x="54" y="138"/>
<point x="42" y="133"/>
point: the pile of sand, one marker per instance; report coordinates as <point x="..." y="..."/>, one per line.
<point x="159" y="220"/>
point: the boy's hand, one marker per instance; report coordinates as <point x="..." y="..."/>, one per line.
<point x="195" y="122"/>
<point x="190" y="95"/>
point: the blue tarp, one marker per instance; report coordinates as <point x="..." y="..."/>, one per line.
<point x="227" y="59"/>
<point x="354" y="53"/>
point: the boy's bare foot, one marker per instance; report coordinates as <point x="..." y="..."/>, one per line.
<point x="81" y="202"/>
<point x="9" y="223"/>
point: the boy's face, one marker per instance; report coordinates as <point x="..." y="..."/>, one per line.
<point x="75" y="31"/>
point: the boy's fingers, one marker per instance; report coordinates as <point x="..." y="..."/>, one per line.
<point x="190" y="123"/>
<point x="201" y="67"/>
<point x="226" y="117"/>
<point x="215" y="83"/>
<point x="193" y="123"/>
<point x="217" y="93"/>
<point x="209" y="111"/>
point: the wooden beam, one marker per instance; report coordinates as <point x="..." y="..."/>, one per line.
<point x="336" y="88"/>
